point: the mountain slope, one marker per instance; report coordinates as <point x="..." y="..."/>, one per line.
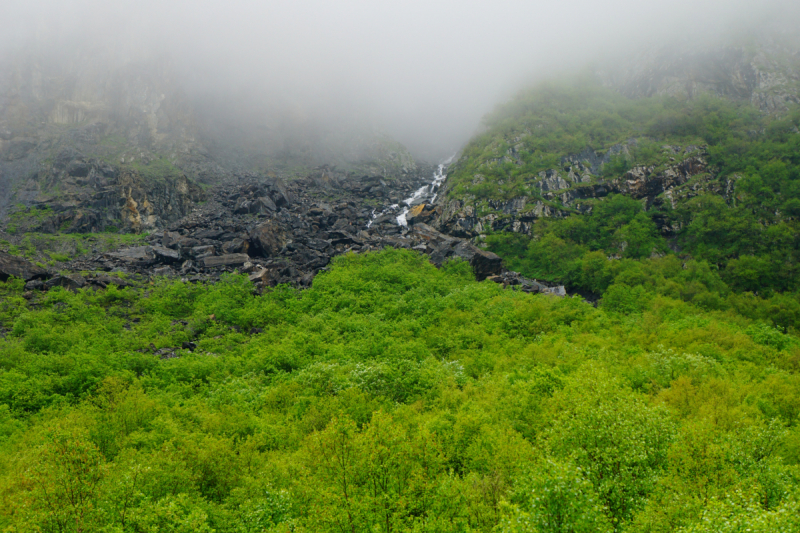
<point x="578" y="168"/>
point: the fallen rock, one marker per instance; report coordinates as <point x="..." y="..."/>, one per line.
<point x="69" y="282"/>
<point x="260" y="275"/>
<point x="236" y="246"/>
<point x="422" y="213"/>
<point x="19" y="268"/>
<point x="166" y="255"/>
<point x="225" y="260"/>
<point x="265" y="204"/>
<point x="485" y="264"/>
<point x="268" y="238"/>
<point x="35" y="284"/>
<point x="131" y="255"/>
<point x="555" y="291"/>
<point x="199" y="252"/>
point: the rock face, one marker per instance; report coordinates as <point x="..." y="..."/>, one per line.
<point x="106" y="196"/>
<point x="19" y="268"/>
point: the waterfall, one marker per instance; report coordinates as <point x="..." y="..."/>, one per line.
<point x="425" y="194"/>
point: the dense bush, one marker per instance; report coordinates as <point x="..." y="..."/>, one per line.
<point x="395" y="396"/>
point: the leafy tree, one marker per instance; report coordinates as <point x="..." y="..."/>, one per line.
<point x="554" y="497"/>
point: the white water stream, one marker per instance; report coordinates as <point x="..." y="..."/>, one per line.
<point x="425" y="194"/>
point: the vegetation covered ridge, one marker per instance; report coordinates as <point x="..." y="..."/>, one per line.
<point x="391" y="396"/>
<point x="570" y="177"/>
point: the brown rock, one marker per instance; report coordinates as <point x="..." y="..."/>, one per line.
<point x="422" y="213"/>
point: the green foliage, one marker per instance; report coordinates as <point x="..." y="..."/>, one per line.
<point x="156" y="170"/>
<point x="26" y="217"/>
<point x="620" y="441"/>
<point x="67" y="246"/>
<point x="394" y="396"/>
<point x="555" y="497"/>
<point x="751" y="235"/>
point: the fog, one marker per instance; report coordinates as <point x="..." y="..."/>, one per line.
<point x="422" y="71"/>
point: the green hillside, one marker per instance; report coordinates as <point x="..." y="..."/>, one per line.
<point x="735" y="218"/>
<point x="391" y="396"/>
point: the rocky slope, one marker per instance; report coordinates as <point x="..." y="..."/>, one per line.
<point x="277" y="232"/>
<point x="89" y="153"/>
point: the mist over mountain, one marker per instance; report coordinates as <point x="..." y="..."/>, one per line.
<point x="423" y="74"/>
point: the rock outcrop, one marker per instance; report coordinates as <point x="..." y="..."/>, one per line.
<point x="19" y="268"/>
<point x="557" y="193"/>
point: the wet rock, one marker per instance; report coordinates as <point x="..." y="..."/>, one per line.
<point x="19" y="268"/>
